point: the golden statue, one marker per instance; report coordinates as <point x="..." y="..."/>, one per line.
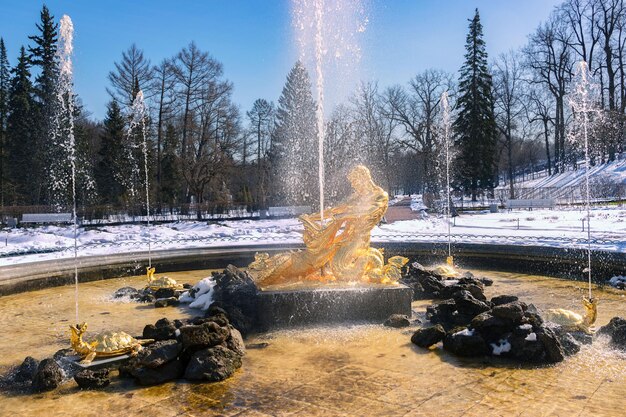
<point x="337" y="248"/>
<point x="572" y="321"/>
<point x="163" y="282"/>
<point x="104" y="345"/>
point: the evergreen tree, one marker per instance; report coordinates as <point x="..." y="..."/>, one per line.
<point x="20" y="141"/>
<point x="109" y="172"/>
<point x="5" y="79"/>
<point x="475" y="126"/>
<point x="293" y="152"/>
<point x="43" y="55"/>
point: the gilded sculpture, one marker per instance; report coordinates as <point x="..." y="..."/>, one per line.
<point x="163" y="282"/>
<point x="338" y="247"/>
<point x="572" y="321"/>
<point x="104" y="345"/>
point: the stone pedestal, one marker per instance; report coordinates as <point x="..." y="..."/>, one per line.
<point x="332" y="305"/>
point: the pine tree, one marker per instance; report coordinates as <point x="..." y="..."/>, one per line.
<point x="108" y="172"/>
<point x="5" y="79"/>
<point x="43" y="55"/>
<point x="293" y="153"/>
<point x="20" y="142"/>
<point x="475" y="126"/>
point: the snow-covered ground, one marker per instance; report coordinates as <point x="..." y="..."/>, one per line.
<point x="554" y="228"/>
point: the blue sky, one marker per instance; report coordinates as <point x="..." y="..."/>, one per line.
<point x="253" y="38"/>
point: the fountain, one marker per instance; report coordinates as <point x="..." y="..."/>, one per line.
<point x="65" y="103"/>
<point x="583" y="101"/>
<point x="445" y="107"/>
<point x="338" y="276"/>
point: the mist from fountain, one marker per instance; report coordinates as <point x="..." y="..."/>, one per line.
<point x="138" y="121"/>
<point x="327" y="35"/>
<point x="445" y="108"/>
<point x="65" y="114"/>
<point x="583" y="100"/>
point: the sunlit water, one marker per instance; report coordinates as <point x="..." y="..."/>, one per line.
<point x="348" y="370"/>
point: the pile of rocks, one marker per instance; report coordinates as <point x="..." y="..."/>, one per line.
<point x="427" y="283"/>
<point x="199" y="349"/>
<point x="162" y="297"/>
<point x="470" y="325"/>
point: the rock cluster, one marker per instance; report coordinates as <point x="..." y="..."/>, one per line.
<point x="427" y="283"/>
<point x="469" y="324"/>
<point x="162" y="297"/>
<point x="203" y="348"/>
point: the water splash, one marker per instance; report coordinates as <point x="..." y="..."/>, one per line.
<point x="583" y="100"/>
<point x="445" y="108"/>
<point x="138" y="121"/>
<point x="327" y="34"/>
<point x="65" y="98"/>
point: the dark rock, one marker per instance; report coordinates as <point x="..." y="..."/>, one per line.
<point x="428" y="336"/>
<point x="503" y="299"/>
<point x="159" y="353"/>
<point x="568" y="343"/>
<point x="165" y="302"/>
<point x="465" y="343"/>
<point x="236" y="317"/>
<point x="618" y="338"/>
<point x="213" y="364"/>
<point x="467" y="304"/>
<point x="48" y="376"/>
<point x="612" y="325"/>
<point x="153" y="376"/>
<point x="513" y="311"/>
<point x="88" y="379"/>
<point x="397" y="321"/>
<point x="178" y="323"/>
<point x="235" y="341"/>
<point x="187" y="286"/>
<point x="215" y="309"/>
<point x="161" y="330"/>
<point x="491" y="328"/>
<point x="582" y="337"/>
<point x="202" y="336"/>
<point x="552" y="346"/>
<point x="533" y="318"/>
<point x="236" y="293"/>
<point x="165" y="293"/>
<point x="146" y="298"/>
<point x="441" y="313"/>
<point x="126" y="292"/>
<point x="488" y="282"/>
<point x="26" y="371"/>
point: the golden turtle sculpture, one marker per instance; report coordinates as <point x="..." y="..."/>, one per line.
<point x="163" y="282"/>
<point x="104" y="345"/>
<point x="572" y="321"/>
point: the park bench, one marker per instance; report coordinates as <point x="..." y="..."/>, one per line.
<point x="43" y="218"/>
<point x="531" y="203"/>
<point x="288" y="211"/>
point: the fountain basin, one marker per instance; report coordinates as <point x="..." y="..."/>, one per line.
<point x="286" y="308"/>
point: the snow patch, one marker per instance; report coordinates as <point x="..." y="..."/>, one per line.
<point x="464" y="332"/>
<point x="201" y="295"/>
<point x="502" y="346"/>
<point x="525" y="326"/>
<point x="531" y="337"/>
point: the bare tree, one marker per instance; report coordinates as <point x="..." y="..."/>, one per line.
<point x="509" y="106"/>
<point x="132" y="74"/>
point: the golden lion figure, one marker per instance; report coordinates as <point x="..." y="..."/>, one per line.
<point x="572" y="321"/>
<point x="338" y="248"/>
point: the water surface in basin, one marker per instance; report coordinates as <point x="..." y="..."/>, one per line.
<point x="356" y="370"/>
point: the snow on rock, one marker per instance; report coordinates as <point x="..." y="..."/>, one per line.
<point x="200" y="295"/>
<point x="465" y="332"/>
<point x="502" y="346"/>
<point x="531" y="337"/>
<point x="525" y="326"/>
